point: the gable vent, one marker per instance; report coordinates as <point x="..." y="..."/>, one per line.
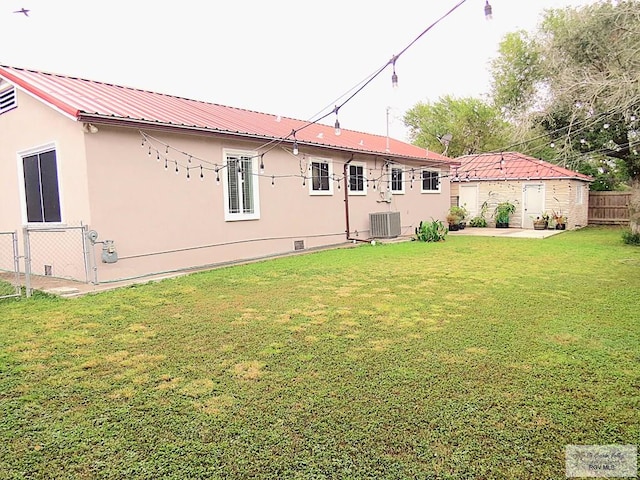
<point x="8" y="100"/>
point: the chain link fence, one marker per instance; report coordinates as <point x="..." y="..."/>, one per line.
<point x="9" y="265"/>
<point x="59" y="252"/>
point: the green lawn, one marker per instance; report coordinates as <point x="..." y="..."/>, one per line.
<point x="476" y="357"/>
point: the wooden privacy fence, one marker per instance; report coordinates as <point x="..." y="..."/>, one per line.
<point x="609" y="208"/>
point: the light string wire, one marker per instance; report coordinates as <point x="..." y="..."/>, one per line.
<point x="271" y="144"/>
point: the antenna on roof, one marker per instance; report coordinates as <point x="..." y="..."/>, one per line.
<point x="445" y="140"/>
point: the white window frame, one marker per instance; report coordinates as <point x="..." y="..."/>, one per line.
<point x="422" y="189"/>
<point x="22" y="190"/>
<point x="364" y="178"/>
<point x="255" y="192"/>
<point x="402" y="173"/>
<point x="312" y="190"/>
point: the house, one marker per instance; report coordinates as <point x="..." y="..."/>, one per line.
<point x="533" y="185"/>
<point x="108" y="182"/>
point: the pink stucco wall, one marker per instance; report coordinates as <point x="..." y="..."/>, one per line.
<point x="161" y="222"/>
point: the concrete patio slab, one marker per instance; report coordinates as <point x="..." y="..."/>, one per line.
<point x="506" y="232"/>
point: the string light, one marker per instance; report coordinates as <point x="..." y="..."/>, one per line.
<point x="166" y="164"/>
<point x="217" y="176"/>
<point x="188" y="176"/>
<point x="273" y="180"/>
<point x="295" y="147"/>
<point x="488" y="11"/>
<point x="262" y="163"/>
<point x="337" y="124"/>
<point x="176" y="167"/>
<point x="201" y="174"/>
<point x="394" y="76"/>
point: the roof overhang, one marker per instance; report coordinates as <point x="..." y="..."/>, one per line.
<point x="168" y="127"/>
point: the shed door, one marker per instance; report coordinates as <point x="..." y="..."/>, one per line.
<point x="469" y="199"/>
<point x="533" y="203"/>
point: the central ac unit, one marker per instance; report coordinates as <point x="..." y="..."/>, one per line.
<point x="384" y="224"/>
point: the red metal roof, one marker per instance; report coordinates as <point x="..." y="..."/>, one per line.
<point x="88" y="100"/>
<point x="510" y="166"/>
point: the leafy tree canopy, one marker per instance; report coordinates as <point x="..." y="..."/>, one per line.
<point x="457" y="126"/>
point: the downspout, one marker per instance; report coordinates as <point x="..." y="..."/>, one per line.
<point x="346" y="205"/>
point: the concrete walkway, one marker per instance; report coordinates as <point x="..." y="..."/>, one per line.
<point x="506" y="232"/>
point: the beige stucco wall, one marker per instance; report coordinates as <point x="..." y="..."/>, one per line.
<point x="160" y="221"/>
<point x="30" y="127"/>
<point x="560" y="196"/>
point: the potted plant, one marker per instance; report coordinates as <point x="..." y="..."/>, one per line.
<point x="560" y="220"/>
<point x="454" y="222"/>
<point x="502" y="213"/>
<point x="461" y="213"/>
<point x="480" y="220"/>
<point x="542" y="222"/>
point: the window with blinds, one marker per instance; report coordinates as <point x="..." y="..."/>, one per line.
<point x="241" y="187"/>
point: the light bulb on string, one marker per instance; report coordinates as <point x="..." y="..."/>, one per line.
<point x="166" y="164"/>
<point x="273" y="181"/>
<point x="189" y="159"/>
<point x="337" y="124"/>
<point x="394" y="75"/>
<point x="176" y="168"/>
<point x="149" y="150"/>
<point x="188" y="175"/>
<point x="157" y="156"/>
<point x="295" y="147"/>
<point x="262" y="163"/>
<point x="144" y="140"/>
<point x="201" y="173"/>
<point x="488" y="11"/>
<point x="217" y="176"/>
<point x="167" y="150"/>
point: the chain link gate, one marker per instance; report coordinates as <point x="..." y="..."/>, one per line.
<point x="59" y="252"/>
<point x="9" y="265"/>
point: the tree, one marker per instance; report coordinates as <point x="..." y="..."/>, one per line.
<point x="456" y="126"/>
<point x="578" y="80"/>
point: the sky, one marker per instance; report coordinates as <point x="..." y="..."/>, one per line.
<point x="290" y="58"/>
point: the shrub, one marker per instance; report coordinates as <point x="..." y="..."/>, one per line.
<point x="433" y="231"/>
<point x="478" y="222"/>
<point x="631" y="238"/>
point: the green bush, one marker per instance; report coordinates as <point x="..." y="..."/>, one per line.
<point x="478" y="222"/>
<point x="433" y="231"/>
<point x="631" y="238"/>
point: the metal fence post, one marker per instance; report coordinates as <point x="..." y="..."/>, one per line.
<point x="27" y="262"/>
<point x="16" y="261"/>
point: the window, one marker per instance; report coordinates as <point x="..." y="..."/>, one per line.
<point x="41" y="192"/>
<point x="430" y="181"/>
<point x="357" y="183"/>
<point x="397" y="180"/>
<point x="321" y="173"/>
<point x="241" y="187"/>
<point x="8" y="99"/>
<point x="579" y="195"/>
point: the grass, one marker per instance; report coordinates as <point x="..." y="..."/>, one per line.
<point x="476" y="357"/>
